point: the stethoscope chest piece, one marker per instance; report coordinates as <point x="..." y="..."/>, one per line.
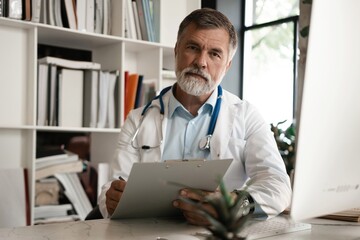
<point x="204" y="142"/>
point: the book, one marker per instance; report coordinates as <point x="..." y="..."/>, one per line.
<point x="47" y="211"/>
<point x="107" y="23"/>
<point x="43" y="18"/>
<point x="138" y="92"/>
<point x="156" y="13"/>
<point x="66" y="63"/>
<point x="119" y="94"/>
<point x="65" y="167"/>
<point x="81" y="15"/>
<point x="53" y="87"/>
<point x="51" y="12"/>
<point x="50" y="151"/>
<point x="103" y="99"/>
<point x="130" y="92"/>
<point x="26" y="14"/>
<point x="35" y="10"/>
<point x="90" y="15"/>
<point x="2" y="8"/>
<point x="136" y="19"/>
<point x="165" y="73"/>
<point x="68" y="218"/>
<point x="130" y="20"/>
<point x="99" y="16"/>
<point x="75" y="193"/>
<point x="14" y="9"/>
<point x="91" y="89"/>
<point x="70" y="107"/>
<point x="148" y="91"/>
<point x="118" y="27"/>
<point x="70" y="14"/>
<point x="42" y="96"/>
<point x="57" y="13"/>
<point x="113" y="76"/>
<point x="351" y="215"/>
<point x="148" y="20"/>
<point x="142" y="21"/>
<point x="66" y="156"/>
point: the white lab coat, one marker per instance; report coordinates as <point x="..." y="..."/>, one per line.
<point x="240" y="134"/>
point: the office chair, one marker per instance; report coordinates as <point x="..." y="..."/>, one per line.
<point x="94" y="214"/>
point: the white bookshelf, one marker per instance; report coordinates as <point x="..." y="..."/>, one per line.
<point x="18" y="83"/>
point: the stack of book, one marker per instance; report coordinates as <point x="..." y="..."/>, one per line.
<point x="60" y="163"/>
<point x="55" y="174"/>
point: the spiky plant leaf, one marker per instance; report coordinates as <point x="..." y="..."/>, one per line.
<point x="228" y="221"/>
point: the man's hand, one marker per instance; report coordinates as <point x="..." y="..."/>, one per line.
<point x="190" y="212"/>
<point x="114" y="194"/>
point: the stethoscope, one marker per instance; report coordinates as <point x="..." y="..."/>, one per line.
<point x="204" y="143"/>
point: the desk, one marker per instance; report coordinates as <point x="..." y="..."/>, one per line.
<point x="150" y="229"/>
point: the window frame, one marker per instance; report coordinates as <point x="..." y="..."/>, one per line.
<point x="244" y="29"/>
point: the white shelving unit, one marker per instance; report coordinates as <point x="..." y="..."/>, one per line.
<point x="18" y="82"/>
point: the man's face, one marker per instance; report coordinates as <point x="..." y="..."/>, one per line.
<point x="202" y="59"/>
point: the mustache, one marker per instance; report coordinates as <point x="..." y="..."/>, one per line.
<point x="199" y="72"/>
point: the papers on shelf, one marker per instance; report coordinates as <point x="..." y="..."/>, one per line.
<point x="75" y="192"/>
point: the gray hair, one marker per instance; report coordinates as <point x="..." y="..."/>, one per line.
<point x="207" y="18"/>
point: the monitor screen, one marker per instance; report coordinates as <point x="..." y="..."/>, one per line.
<point x="327" y="169"/>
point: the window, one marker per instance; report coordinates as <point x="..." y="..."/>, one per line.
<point x="270" y="56"/>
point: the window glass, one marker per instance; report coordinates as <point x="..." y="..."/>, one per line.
<point x="268" y="81"/>
<point x="261" y="11"/>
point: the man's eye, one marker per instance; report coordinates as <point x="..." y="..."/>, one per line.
<point x="215" y="54"/>
<point x="192" y="47"/>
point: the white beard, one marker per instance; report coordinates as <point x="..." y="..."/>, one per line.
<point x="192" y="85"/>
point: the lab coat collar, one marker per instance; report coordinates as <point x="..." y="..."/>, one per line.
<point x="224" y="125"/>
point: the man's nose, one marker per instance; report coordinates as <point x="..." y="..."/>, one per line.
<point x="200" y="61"/>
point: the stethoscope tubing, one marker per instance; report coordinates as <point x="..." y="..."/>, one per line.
<point x="211" y="128"/>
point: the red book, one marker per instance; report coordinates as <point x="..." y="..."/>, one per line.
<point x="130" y="92"/>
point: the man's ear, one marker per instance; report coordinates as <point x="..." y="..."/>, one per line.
<point x="175" y="49"/>
<point x="228" y="65"/>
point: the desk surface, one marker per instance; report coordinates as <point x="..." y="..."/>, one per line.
<point x="153" y="228"/>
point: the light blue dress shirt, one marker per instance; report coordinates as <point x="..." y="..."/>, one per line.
<point x="184" y="131"/>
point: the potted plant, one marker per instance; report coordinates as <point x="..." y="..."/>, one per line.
<point x="229" y="220"/>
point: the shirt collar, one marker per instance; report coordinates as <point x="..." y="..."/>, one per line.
<point x="175" y="104"/>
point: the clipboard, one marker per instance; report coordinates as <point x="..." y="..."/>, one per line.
<point x="150" y="189"/>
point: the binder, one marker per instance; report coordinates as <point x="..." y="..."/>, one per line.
<point x="91" y="88"/>
<point x="70" y="98"/>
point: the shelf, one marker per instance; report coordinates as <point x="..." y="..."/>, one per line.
<point x="19" y="133"/>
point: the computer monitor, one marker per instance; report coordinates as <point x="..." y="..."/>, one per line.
<point x="327" y="169"/>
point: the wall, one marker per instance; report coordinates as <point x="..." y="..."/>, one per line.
<point x="231" y="80"/>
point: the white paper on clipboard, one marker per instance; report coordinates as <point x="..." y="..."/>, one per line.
<point x="149" y="192"/>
